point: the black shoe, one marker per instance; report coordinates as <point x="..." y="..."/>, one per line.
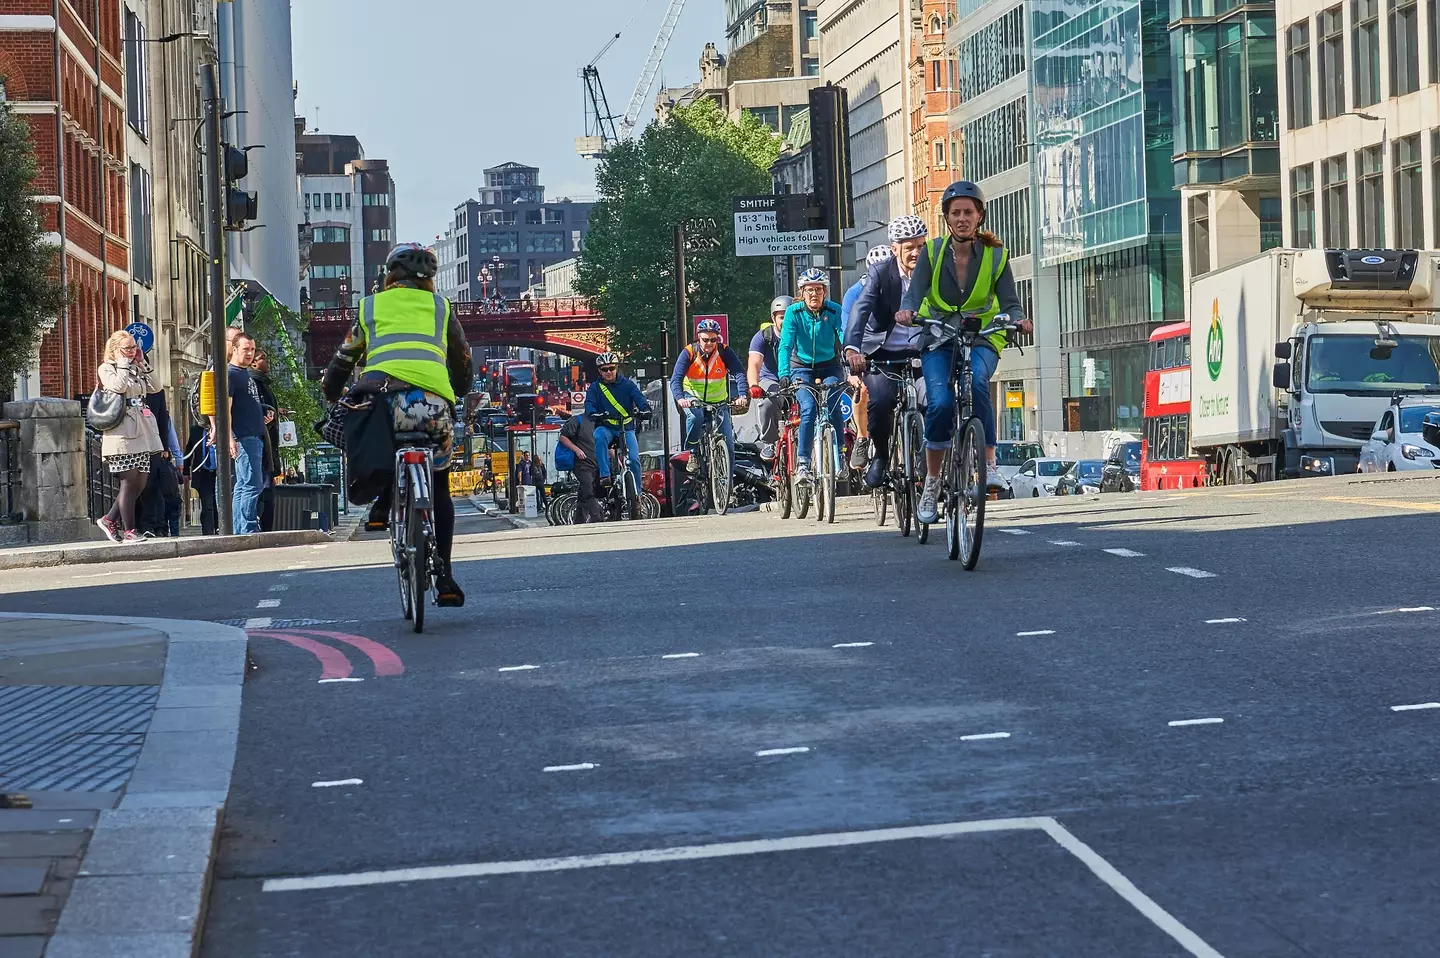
<point x="448" y="594"/>
<point x="378" y="520"/>
<point x="875" y="475"/>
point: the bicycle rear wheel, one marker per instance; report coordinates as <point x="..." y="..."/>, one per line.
<point x="720" y="474"/>
<point x="899" y="481"/>
<point x="649" y="506"/>
<point x="880" y="499"/>
<point x="419" y="567"/>
<point x="829" y="470"/>
<point x="399" y="524"/>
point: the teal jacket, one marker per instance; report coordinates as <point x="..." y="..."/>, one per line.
<point x="807" y="340"/>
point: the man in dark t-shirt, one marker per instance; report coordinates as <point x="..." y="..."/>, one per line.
<point x="247" y="437"/>
<point x="578" y="435"/>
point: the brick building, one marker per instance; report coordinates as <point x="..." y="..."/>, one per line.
<point x="67" y="79"/>
<point x="347" y="210"/>
<point x="934" y="149"/>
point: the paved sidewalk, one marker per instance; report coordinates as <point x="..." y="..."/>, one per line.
<point x="83" y="553"/>
<point x="121" y="733"/>
<point x="500" y="512"/>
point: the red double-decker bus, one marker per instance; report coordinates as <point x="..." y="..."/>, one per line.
<point x="1166" y="461"/>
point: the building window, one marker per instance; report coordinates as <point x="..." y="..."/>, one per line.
<point x="137" y="99"/>
<point x="1009" y="217"/>
<point x="1335" y="195"/>
<point x="329" y="272"/>
<point x="1297" y="74"/>
<point x="488" y="243"/>
<point x="1404" y="47"/>
<point x="809" y="25"/>
<point x="332" y="234"/>
<point x="375" y="199"/>
<point x="992" y="55"/>
<point x="1409" y="194"/>
<point x="307" y="202"/>
<point x="939" y="154"/>
<point x="810" y="66"/>
<point x="1365" y="50"/>
<point x="347" y="201"/>
<point x="1272" y="230"/>
<point x="142" y="235"/>
<point x="1200" y="234"/>
<point x="935" y="26"/>
<point x="1370" y="216"/>
<point x="327" y="199"/>
<point x="380" y="236"/>
<point x="1330" y="27"/>
<point x="316" y="198"/>
<point x="545" y="242"/>
<point x="337" y="201"/>
<point x="995" y="142"/>
<point x="1432" y="11"/>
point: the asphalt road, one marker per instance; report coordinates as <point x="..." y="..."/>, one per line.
<point x="743" y="736"/>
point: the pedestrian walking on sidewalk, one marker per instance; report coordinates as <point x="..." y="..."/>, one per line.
<point x="126" y="449"/>
<point x="537" y="479"/>
<point x="247" y="437"/>
<point x="265" y="392"/>
<point x="200" y="467"/>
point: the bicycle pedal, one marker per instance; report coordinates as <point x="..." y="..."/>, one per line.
<point x="421" y="504"/>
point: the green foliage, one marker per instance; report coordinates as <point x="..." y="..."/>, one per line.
<point x="689" y="167"/>
<point x="30" y="294"/>
<point x="277" y="331"/>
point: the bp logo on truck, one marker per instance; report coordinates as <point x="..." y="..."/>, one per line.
<point x="1214" y="343"/>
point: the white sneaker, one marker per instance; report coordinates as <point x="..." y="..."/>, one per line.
<point x="802" y="472"/>
<point x="928" y="511"/>
<point x="767" y="451"/>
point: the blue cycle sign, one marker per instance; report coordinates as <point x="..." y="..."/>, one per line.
<point x="143" y="335"/>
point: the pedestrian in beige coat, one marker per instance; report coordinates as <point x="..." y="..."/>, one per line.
<point x="128" y="447"/>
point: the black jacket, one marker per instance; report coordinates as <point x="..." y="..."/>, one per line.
<point x="875" y="309"/>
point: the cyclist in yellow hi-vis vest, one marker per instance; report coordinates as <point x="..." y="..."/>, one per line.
<point x="967" y="271"/>
<point x="416" y="358"/>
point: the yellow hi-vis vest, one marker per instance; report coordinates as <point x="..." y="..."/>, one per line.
<point x="405" y="337"/>
<point x="982" y="300"/>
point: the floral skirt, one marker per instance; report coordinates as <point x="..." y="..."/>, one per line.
<point x="128" y="461"/>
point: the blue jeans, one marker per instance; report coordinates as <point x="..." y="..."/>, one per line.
<point x="940" y="411"/>
<point x="829" y="375"/>
<point x="695" y="415"/>
<point x="604" y="435"/>
<point x="245" y="503"/>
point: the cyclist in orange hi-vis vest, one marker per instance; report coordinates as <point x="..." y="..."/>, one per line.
<point x="708" y="371"/>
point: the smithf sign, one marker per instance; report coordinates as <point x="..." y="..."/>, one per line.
<point x="755" y="233"/>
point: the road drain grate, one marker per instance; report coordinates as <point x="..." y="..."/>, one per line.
<point x="72" y="737"/>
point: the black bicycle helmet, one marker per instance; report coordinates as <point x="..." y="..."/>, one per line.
<point x="962" y="189"/>
<point x="411" y="261"/>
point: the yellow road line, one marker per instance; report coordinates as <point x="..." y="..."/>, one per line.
<point x="1385" y="503"/>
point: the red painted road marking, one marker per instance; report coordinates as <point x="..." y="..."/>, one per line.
<point x="334" y="664"/>
<point x="386" y="661"/>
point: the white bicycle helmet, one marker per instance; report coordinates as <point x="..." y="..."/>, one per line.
<point x="813" y="276"/>
<point x="878" y="254"/>
<point x="907" y="227"/>
<point x="607" y="359"/>
<point x="780" y="303"/>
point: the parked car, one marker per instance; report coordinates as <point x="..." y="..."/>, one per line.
<point x="1122" y="469"/>
<point x="1406" y="438"/>
<point x="1010" y="456"/>
<point x="1038" y="477"/>
<point x="1081" y="479"/>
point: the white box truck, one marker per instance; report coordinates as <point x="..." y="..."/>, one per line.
<point x="1296" y="353"/>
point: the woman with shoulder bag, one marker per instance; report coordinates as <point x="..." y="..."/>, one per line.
<point x="127" y="447"/>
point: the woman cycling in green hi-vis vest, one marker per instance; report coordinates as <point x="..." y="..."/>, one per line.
<point x="966" y="271"/>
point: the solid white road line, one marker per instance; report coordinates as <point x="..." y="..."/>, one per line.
<point x="343" y="781"/>
<point x="1015" y="532"/>
<point x="852" y="645"/>
<point x="516" y="668"/>
<point x="259" y="622"/>
<point x="1222" y="621"/>
<point x="1192" y="573"/>
<point x="984" y="737"/>
<point x="582" y="767"/>
<point x="796" y="750"/>
<point x="1412" y="708"/>
<point x="1098" y="866"/>
<point x="1036" y="632"/>
<point x="1205" y="721"/>
<point x="1413" y="608"/>
<point x="268" y="604"/>
<point x="1063" y="542"/>
<point x="681" y="655"/>
<point x="302" y="565"/>
<point x="347" y="679"/>
<point x="1126" y="553"/>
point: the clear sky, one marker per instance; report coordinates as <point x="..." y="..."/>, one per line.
<point x="444" y="88"/>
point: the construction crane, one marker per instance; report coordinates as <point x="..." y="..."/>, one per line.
<point x="600" y="130"/>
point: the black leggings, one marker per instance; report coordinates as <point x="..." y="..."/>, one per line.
<point x="444" y="514"/>
<point x="132" y="483"/>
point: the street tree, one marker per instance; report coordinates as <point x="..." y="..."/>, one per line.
<point x="31" y="297"/>
<point x="686" y="168"/>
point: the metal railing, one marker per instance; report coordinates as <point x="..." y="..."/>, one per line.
<point x="100" y="483"/>
<point x="9" y="471"/>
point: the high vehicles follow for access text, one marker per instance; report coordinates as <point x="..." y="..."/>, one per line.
<point x="1350" y="329"/>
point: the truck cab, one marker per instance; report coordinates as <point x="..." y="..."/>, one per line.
<point x="1366" y="332"/>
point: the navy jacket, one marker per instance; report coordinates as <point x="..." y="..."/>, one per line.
<point x="626" y="393"/>
<point x="875" y="310"/>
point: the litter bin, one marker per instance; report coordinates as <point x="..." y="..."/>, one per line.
<point x="303" y="505"/>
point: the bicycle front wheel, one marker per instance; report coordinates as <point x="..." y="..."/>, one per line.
<point x="632" y="496"/>
<point x="968" y="494"/>
<point x="720" y="475"/>
<point x="780" y="479"/>
<point x="829" y="461"/>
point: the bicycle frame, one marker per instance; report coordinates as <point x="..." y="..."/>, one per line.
<point x="411" y="502"/>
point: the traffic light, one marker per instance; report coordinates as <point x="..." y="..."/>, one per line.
<point x="798" y="212"/>
<point x="830" y="154"/>
<point x="240" y="206"/>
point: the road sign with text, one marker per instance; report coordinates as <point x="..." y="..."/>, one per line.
<point x="755" y="233"/>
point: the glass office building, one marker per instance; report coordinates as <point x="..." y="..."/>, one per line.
<point x="1110" y="219"/>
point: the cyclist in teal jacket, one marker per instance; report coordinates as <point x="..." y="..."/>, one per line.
<point x="809" y="353"/>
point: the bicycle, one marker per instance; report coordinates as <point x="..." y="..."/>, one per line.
<point x="782" y="473"/>
<point x="712" y="458"/>
<point x="963" y="484"/>
<point x="623" y="500"/>
<point x="824" y="456"/>
<point x="412" y="526"/>
<point x="905" y="475"/>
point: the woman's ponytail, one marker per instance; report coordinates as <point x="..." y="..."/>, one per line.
<point x="989" y="239"/>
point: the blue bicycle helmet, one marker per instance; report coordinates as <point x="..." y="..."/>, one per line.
<point x="963" y="189"/>
<point x="708" y="326"/>
<point x="814" y="276"/>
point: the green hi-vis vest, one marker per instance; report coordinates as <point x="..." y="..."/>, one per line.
<point x="405" y="337"/>
<point x="615" y="404"/>
<point x="982" y="300"/>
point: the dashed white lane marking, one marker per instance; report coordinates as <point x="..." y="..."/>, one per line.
<point x="795" y="750"/>
<point x="1412" y="708"/>
<point x="1035" y="632"/>
<point x="1205" y="721"/>
<point x="103" y="575"/>
<point x="1063" y="542"/>
<point x="516" y="668"/>
<point x="1413" y="608"/>
<point x="346" y="679"/>
<point x="259" y="622"/>
<point x="278" y="588"/>
<point x="1016" y="532"/>
<point x="985" y="736"/>
<point x="342" y="781"/>
<point x="1098" y="866"/>
<point x="1226" y="621"/>
<point x="681" y="655"/>
<point x="288" y="575"/>
<point x="1192" y="573"/>
<point x="1126" y="553"/>
<point x="582" y="767"/>
<point x="268" y="604"/>
<point x="302" y="565"/>
<point x="852" y="645"/>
